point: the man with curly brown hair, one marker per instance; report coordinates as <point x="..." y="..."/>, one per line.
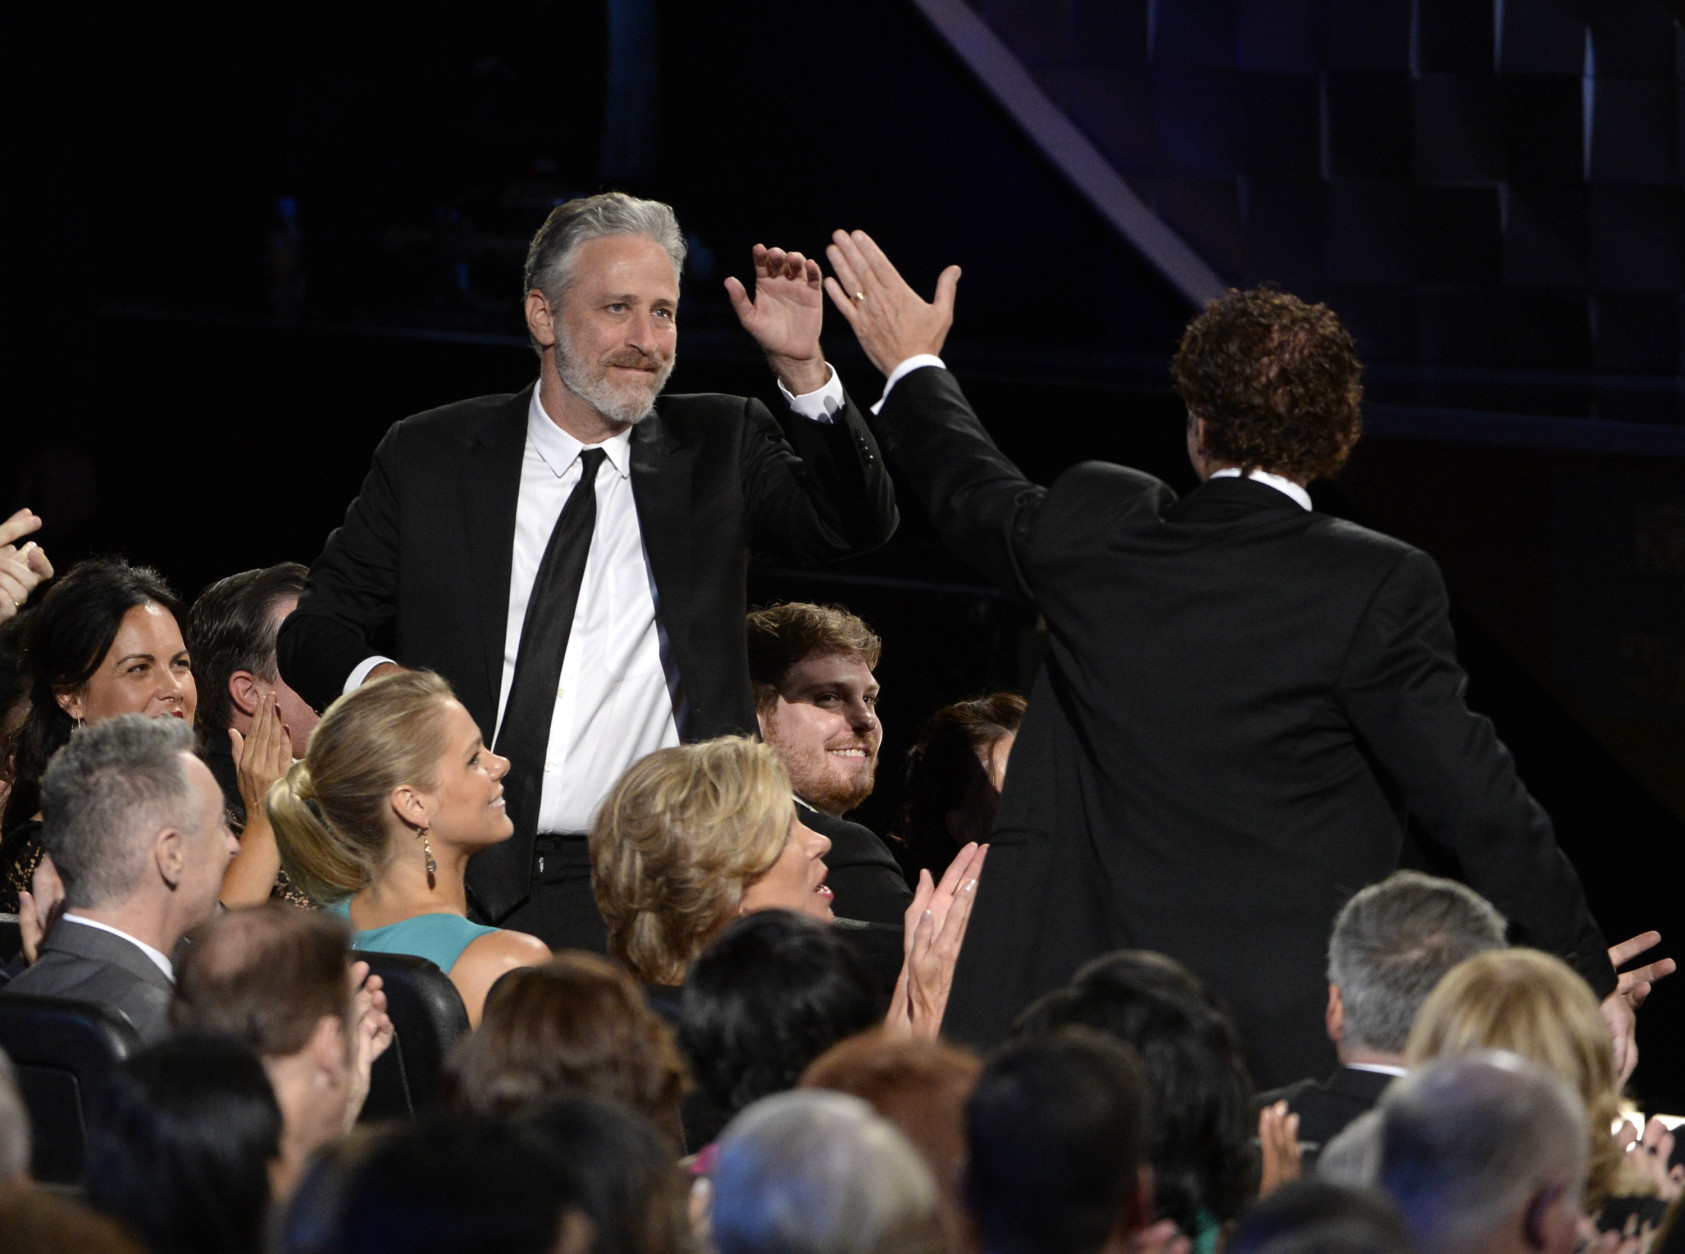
<point x="1242" y="697"/>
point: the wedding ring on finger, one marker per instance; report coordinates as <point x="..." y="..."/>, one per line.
<point x="859" y="296"/>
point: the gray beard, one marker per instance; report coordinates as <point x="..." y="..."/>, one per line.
<point x="618" y="407"/>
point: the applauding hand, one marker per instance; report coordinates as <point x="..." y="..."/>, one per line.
<point x="889" y="319"/>
<point x="935" y="930"/>
<point x="22" y="570"/>
<point x="784" y="316"/>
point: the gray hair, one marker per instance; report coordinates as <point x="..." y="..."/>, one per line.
<point x="106" y="794"/>
<point x="1465" y="1142"/>
<point x="1394" y="941"/>
<point x="577" y="222"/>
<point x="14" y="1126"/>
<point x="815" y="1172"/>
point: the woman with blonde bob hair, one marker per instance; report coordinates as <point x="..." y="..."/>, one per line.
<point x="692" y="837"/>
<point x="378" y="821"/>
<point x="1535" y="1005"/>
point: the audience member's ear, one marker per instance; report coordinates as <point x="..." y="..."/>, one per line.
<point x="244" y="692"/>
<point x="408" y="806"/>
<point x="575" y="1234"/>
<point x="1541" y="1217"/>
<point x="330" y="1048"/>
<point x="1335" y="1018"/>
<point x="70" y="701"/>
<point x="169" y="852"/>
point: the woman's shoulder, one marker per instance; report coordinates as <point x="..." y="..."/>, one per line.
<point x="500" y="946"/>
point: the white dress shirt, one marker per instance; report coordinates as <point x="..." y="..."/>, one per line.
<point x="159" y="960"/>
<point x="613" y="704"/>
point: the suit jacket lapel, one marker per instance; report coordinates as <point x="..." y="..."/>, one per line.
<point x="101" y="946"/>
<point x="491" y="491"/>
<point x="661" y="473"/>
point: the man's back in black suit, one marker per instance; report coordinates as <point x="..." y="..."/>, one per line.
<point x="1241" y="697"/>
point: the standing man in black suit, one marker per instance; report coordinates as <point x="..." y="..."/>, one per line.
<point x="572" y="558"/>
<point x="1242" y="697"/>
<point x="816" y="701"/>
<point x="135" y="825"/>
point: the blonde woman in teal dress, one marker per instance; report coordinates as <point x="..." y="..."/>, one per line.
<point x="378" y="821"/>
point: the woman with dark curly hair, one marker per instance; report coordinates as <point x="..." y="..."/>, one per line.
<point x="1203" y="1167"/>
<point x="105" y="640"/>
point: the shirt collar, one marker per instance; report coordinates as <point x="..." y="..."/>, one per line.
<point x="158" y="959"/>
<point x="1379" y="1068"/>
<point x="1277" y="482"/>
<point x="560" y="450"/>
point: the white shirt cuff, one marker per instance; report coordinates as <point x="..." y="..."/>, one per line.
<point x="360" y="672"/>
<point x="819" y="405"/>
<point x="906" y="368"/>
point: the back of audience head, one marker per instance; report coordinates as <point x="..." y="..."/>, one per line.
<point x="104" y="640"/>
<point x="130" y="815"/>
<point x="1058" y="1128"/>
<point x="919" y="1085"/>
<point x="813" y="1172"/>
<point x="575" y="1026"/>
<point x="1391" y="944"/>
<point x="621" y="1173"/>
<point x="1202" y="1095"/>
<point x="811" y="667"/>
<point x="1314" y="1216"/>
<point x="445" y="1183"/>
<point x="279" y="979"/>
<point x="181" y="1145"/>
<point x="772" y="994"/>
<point x="332" y="811"/>
<point x="231" y="631"/>
<point x="36" y="1222"/>
<point x="955" y="772"/>
<point x="1535" y="1005"/>
<point x="15" y="1140"/>
<point x="677" y="844"/>
<point x="1484" y="1152"/>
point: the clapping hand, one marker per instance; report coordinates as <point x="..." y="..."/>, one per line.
<point x="22" y="570"/>
<point x="371" y="1033"/>
<point x="40" y="909"/>
<point x="1631" y="988"/>
<point x="935" y="929"/>
<point x="784" y="316"/>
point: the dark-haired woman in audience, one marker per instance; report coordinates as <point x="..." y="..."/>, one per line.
<point x="379" y="819"/>
<point x="955" y="773"/>
<point x="105" y="640"/>
<point x="578" y="1025"/>
<point x="691" y="837"/>
<point x="1202" y="1160"/>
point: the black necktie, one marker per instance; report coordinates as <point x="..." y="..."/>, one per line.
<point x="524" y="737"/>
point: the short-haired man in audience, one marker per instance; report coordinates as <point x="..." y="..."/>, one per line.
<point x="817" y="704"/>
<point x="281" y="980"/>
<point x="1485" y="1154"/>
<point x="1057" y="1129"/>
<point x="1390" y="945"/>
<point x="231" y="632"/>
<point x="135" y="825"/>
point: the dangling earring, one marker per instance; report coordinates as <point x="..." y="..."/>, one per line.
<point x="432" y="866"/>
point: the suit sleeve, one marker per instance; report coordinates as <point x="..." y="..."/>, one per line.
<point x="351" y="591"/>
<point x="815" y="491"/>
<point x="1404" y="692"/>
<point x="980" y="503"/>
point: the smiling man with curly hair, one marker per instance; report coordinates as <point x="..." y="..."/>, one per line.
<point x="1242" y="696"/>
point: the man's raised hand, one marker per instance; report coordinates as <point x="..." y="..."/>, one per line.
<point x="784" y="315"/>
<point x="891" y="321"/>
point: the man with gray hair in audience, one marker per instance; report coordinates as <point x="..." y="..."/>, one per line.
<point x="1484" y="1153"/>
<point x="1390" y="945"/>
<point x="135" y="825"/>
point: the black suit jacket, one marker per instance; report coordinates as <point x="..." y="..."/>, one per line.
<point x="864" y="875"/>
<point x="1240" y="701"/>
<point x="427" y="546"/>
<point x="1325" y="1107"/>
<point x="87" y="964"/>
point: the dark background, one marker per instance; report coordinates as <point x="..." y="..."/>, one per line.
<point x="1495" y="207"/>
